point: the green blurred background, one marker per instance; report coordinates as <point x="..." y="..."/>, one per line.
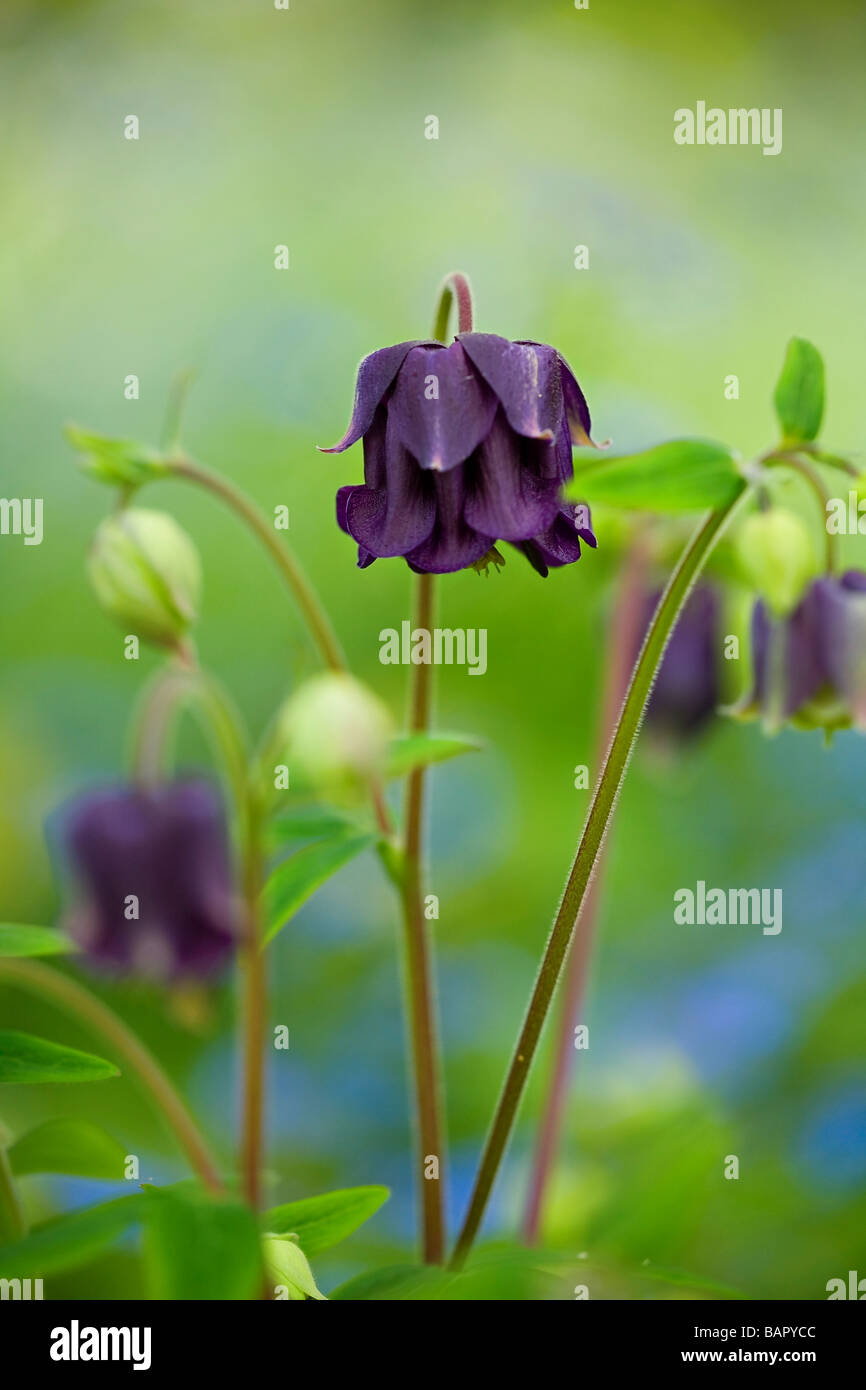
<point x="261" y="127"/>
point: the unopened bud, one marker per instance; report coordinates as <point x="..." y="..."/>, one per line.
<point x="337" y="731"/>
<point x="777" y="556"/>
<point x="146" y="573"/>
<point x="289" y="1269"/>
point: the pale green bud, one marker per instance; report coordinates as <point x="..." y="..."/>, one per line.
<point x="146" y="573"/>
<point x="336" y="731"/>
<point x="288" y="1270"/>
<point x="777" y="556"/>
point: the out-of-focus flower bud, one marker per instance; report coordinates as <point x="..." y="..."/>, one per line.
<point x="810" y="669"/>
<point x="288" y="1269"/>
<point x="687" y="687"/>
<point x="777" y="555"/>
<point x="146" y="573"/>
<point x="158" y="899"/>
<point x="336" y="731"/>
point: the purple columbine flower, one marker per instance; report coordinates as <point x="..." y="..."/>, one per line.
<point x="464" y="446"/>
<point x="687" y="688"/>
<point x="810" y="668"/>
<point x="154" y="866"/>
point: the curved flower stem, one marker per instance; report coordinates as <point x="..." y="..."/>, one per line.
<point x="811" y="476"/>
<point x="421" y="1006"/>
<point x="317" y="620"/>
<point x="315" y="616"/>
<point x="160" y="709"/>
<point x="82" y="1005"/>
<point x="254" y="1017"/>
<point x="598" y="819"/>
<point x="229" y="737"/>
<point x="454" y="287"/>
<point x="154" y="723"/>
<point x="624" y="641"/>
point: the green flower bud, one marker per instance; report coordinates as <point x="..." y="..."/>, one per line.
<point x="777" y="556"/>
<point x="288" y="1269"/>
<point x="118" y="462"/>
<point x="336" y="731"/>
<point x="146" y="573"/>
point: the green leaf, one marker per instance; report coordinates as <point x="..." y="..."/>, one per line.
<point x="686" y="475"/>
<point x="70" y="1240"/>
<point x="393" y="1283"/>
<point x="311" y="823"/>
<point x="681" y="1278"/>
<point x="17" y="940"/>
<point x="75" y="1147"/>
<point x="26" y="1060"/>
<point x="320" y="1222"/>
<point x="297" y="878"/>
<point x="799" y="397"/>
<point x="419" y="750"/>
<point x="200" y="1247"/>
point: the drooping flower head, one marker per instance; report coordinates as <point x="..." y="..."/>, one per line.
<point x="810" y="668"/>
<point x="687" y="689"/>
<point x="155" y="872"/>
<point x="464" y="446"/>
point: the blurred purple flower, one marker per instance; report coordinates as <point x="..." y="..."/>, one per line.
<point x="465" y="445"/>
<point x="816" y="676"/>
<point x="154" y="867"/>
<point x="687" y="688"/>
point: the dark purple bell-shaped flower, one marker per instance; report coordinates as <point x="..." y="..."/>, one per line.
<point x="464" y="446"/>
<point x="154" y="867"/>
<point x="810" y="668"/>
<point x="687" y="688"/>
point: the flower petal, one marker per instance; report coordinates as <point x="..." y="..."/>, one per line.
<point x="397" y="517"/>
<point x="375" y="375"/>
<point x="843" y="633"/>
<point x="526" y="377"/>
<point x="506" y="499"/>
<point x="343" y="495"/>
<point x="687" y="688"/>
<point x="576" y="408"/>
<point x="802" y="671"/>
<point x="375" y="472"/>
<point x="560" y="543"/>
<point x="452" y="545"/>
<point x="441" y="408"/>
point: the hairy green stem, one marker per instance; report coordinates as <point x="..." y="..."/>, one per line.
<point x="591" y="840"/>
<point x="74" y="999"/>
<point x="623" y="642"/>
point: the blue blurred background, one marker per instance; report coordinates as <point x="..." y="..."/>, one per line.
<point x="306" y="128"/>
